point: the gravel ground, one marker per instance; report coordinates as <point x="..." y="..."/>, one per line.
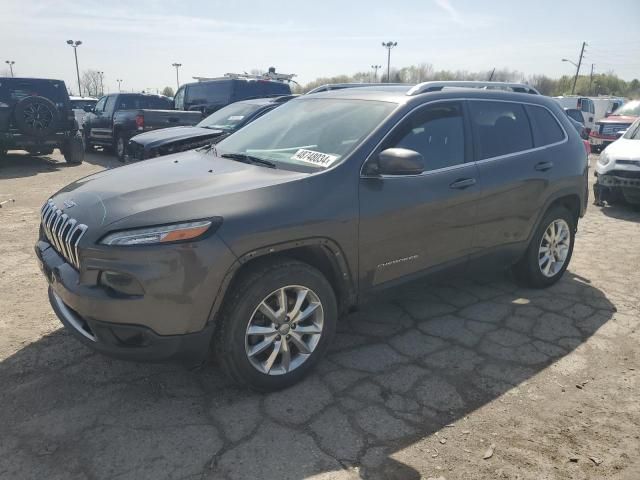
<point x="469" y="379"/>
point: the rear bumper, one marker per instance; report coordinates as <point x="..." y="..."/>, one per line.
<point x="14" y="140"/>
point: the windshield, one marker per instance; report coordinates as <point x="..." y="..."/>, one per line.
<point x="633" y="133"/>
<point x="229" y="117"/>
<point x="80" y="104"/>
<point x="308" y="133"/>
<point x="631" y="108"/>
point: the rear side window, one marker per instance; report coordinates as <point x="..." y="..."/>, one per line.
<point x="501" y="128"/>
<point x="546" y="129"/>
<point x="436" y="132"/>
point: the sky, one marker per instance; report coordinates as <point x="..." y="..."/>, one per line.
<point x="137" y="41"/>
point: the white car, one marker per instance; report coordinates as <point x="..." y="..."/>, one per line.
<point x="618" y="169"/>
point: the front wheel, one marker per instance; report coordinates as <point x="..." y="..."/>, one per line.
<point x="276" y="324"/>
<point x="73" y="150"/>
<point x="550" y="250"/>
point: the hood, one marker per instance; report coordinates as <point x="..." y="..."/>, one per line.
<point x="618" y="119"/>
<point x="163" y="136"/>
<point x="623" y="154"/>
<point x="624" y="149"/>
<point x="184" y="186"/>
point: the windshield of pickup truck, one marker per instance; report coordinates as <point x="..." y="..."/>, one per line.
<point x="308" y="134"/>
<point x="631" y="108"/>
<point x="229" y="117"/>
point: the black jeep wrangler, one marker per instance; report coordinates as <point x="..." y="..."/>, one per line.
<point x="36" y="116"/>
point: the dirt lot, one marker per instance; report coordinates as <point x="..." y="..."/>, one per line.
<point x="423" y="384"/>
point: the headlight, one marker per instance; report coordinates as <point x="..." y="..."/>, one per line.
<point x="160" y="234"/>
<point x="604" y="159"/>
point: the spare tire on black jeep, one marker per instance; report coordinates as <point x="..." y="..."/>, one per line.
<point x="36" y="116"/>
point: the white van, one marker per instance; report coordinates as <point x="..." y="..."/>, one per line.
<point x="592" y="108"/>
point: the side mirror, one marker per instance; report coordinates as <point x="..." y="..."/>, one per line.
<point x="399" y="161"/>
<point x="620" y="133"/>
<point x="88" y="108"/>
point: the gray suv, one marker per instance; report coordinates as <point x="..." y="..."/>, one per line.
<point x="254" y="247"/>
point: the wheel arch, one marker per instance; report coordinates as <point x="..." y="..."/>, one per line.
<point x="568" y="199"/>
<point x="321" y="253"/>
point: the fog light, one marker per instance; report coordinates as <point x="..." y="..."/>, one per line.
<point x="121" y="283"/>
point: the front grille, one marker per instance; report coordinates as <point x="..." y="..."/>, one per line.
<point x="612" y="128"/>
<point x="63" y="232"/>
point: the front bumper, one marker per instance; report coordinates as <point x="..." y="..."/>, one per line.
<point x="132" y="342"/>
<point x="170" y="317"/>
<point x="616" y="181"/>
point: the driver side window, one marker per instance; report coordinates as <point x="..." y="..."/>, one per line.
<point x="436" y="132"/>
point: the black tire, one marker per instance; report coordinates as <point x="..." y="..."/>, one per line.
<point x="88" y="147"/>
<point x="36" y="116"/>
<point x="73" y="150"/>
<point x="243" y="300"/>
<point x="120" y="146"/>
<point x="528" y="271"/>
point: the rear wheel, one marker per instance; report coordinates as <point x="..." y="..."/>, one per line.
<point x="276" y="324"/>
<point x="550" y="250"/>
<point x="120" y="147"/>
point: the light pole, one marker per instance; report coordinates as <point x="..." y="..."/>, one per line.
<point x="389" y="46"/>
<point x="119" y="84"/>
<point x="177" y="65"/>
<point x="11" y="63"/>
<point x="570" y="61"/>
<point x="101" y="83"/>
<point x="375" y="72"/>
<point x="75" y="45"/>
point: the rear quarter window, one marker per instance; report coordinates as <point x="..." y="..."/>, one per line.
<point x="500" y="128"/>
<point x="545" y="126"/>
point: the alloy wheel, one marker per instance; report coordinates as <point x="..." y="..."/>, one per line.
<point x="284" y="330"/>
<point x="554" y="247"/>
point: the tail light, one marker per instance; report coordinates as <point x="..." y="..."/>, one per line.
<point x="140" y="122"/>
<point x="587" y="146"/>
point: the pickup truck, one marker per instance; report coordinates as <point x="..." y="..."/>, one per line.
<point x="119" y="116"/>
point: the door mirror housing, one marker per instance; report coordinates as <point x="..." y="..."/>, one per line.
<point x="88" y="108"/>
<point x="398" y="161"/>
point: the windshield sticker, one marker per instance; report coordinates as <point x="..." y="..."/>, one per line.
<point x="235" y="117"/>
<point x="315" y="158"/>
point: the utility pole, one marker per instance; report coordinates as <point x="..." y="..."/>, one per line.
<point x="177" y="65"/>
<point x="591" y="77"/>
<point x="101" y="83"/>
<point x="575" y="79"/>
<point x="75" y="46"/>
<point x="119" y="84"/>
<point x="11" y="63"/>
<point x="492" y="72"/>
<point x="375" y="72"/>
<point x="389" y="46"/>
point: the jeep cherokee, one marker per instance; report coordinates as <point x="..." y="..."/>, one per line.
<point x="256" y="245"/>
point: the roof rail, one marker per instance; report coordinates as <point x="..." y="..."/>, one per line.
<point x="425" y="87"/>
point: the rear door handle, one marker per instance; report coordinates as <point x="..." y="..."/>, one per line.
<point x="544" y="166"/>
<point x="463" y="183"/>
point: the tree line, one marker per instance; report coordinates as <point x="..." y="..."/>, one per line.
<point x="600" y="84"/>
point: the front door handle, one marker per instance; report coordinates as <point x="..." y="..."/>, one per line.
<point x="544" y="166"/>
<point x="463" y="183"/>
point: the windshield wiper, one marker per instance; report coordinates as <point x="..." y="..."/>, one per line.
<point x="242" y="157"/>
